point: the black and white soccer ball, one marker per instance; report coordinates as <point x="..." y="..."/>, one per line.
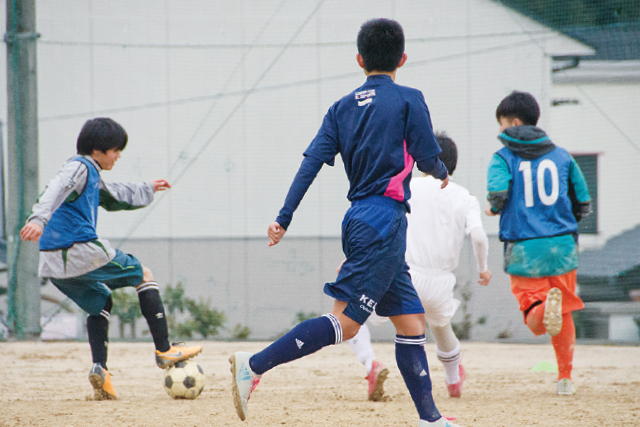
<point x="184" y="380"/>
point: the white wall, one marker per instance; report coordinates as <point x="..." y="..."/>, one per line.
<point x="176" y="74"/>
<point x="605" y="121"/>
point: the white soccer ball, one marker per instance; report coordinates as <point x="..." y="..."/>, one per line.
<point x="184" y="380"/>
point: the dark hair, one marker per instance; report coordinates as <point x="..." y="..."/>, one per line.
<point x="101" y="134"/>
<point x="449" y="155"/>
<point x="381" y="44"/>
<point x="519" y="105"/>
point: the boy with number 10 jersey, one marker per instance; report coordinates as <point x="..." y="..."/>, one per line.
<point x="540" y="193"/>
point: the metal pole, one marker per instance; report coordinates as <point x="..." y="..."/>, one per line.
<point x="2" y="216"/>
<point x="22" y="166"/>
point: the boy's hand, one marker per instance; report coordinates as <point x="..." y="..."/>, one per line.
<point x="488" y="211"/>
<point x="160" y="185"/>
<point x="340" y="267"/>
<point x="445" y="182"/>
<point x="485" y="278"/>
<point x="31" y="232"/>
<point x="275" y="233"/>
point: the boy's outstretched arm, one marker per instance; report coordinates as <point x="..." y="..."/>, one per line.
<point x="433" y="166"/>
<point x="480" y="244"/>
<point x="160" y="185"/>
<point x="307" y="172"/>
<point x="578" y="192"/>
<point x="31" y="232"/>
<point x="115" y="196"/>
<point x="275" y="233"/>
<point x="498" y="183"/>
<point x="67" y="185"/>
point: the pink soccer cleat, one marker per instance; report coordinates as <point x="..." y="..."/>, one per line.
<point x="455" y="390"/>
<point x="376" y="379"/>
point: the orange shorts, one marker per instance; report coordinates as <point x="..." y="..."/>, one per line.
<point x="529" y="290"/>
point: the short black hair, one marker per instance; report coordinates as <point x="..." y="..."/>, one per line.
<point x="381" y="44"/>
<point x="449" y="155"/>
<point x="101" y="134"/>
<point x="520" y="105"/>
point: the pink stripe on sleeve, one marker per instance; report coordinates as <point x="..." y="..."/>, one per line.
<point x="395" y="189"/>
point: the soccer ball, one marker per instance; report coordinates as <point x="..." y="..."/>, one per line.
<point x="184" y="380"/>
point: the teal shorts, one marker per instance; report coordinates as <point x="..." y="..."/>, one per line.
<point x="91" y="290"/>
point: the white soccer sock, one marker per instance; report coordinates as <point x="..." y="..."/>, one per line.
<point x="446" y="340"/>
<point x="451" y="361"/>
<point x="361" y="346"/>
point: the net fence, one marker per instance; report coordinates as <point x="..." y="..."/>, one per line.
<point x="222" y="98"/>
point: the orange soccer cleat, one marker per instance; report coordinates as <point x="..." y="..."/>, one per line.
<point x="175" y="354"/>
<point x="100" y="379"/>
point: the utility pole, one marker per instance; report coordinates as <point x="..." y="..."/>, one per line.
<point x="22" y="131"/>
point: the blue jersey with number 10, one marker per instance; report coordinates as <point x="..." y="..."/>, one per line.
<point x="539" y="203"/>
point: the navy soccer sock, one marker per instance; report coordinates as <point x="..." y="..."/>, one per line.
<point x="153" y="310"/>
<point x="98" y="333"/>
<point x="412" y="363"/>
<point x="306" y="338"/>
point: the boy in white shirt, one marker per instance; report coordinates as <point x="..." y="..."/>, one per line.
<point x="439" y="220"/>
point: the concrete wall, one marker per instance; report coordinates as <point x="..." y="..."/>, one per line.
<point x="263" y="288"/>
<point x="222" y="98"/>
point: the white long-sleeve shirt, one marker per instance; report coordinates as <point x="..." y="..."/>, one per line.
<point x="438" y="223"/>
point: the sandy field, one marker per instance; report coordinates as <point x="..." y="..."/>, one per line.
<point x="45" y="384"/>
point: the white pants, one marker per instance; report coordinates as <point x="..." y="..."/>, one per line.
<point x="435" y="289"/>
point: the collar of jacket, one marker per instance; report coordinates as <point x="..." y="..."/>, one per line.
<point x="528" y="142"/>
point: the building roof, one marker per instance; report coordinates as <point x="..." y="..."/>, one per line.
<point x="617" y="257"/>
<point x="614" y="32"/>
<point x="618" y="42"/>
<point x="619" y="72"/>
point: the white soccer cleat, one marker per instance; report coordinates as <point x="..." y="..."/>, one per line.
<point x="553" y="312"/>
<point x="442" y="422"/>
<point x="565" y="387"/>
<point x="243" y="381"/>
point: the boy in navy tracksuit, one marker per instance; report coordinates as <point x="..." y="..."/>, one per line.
<point x="83" y="266"/>
<point x="381" y="129"/>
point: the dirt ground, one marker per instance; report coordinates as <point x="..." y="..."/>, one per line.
<point x="45" y="384"/>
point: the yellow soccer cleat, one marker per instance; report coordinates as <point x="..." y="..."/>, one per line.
<point x="175" y="354"/>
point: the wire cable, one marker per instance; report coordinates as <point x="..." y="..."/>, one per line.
<point x="235" y="46"/>
<point x="283" y="85"/>
<point x="232" y="74"/>
<point x="609" y="119"/>
<point x="227" y="119"/>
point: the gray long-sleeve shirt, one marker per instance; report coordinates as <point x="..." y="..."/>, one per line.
<point x="68" y="185"/>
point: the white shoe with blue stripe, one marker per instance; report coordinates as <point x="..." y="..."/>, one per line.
<point x="244" y="381"/>
<point x="442" y="422"/>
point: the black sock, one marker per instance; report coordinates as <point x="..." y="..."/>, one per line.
<point x="535" y="304"/>
<point x="98" y="332"/>
<point x="153" y="310"/>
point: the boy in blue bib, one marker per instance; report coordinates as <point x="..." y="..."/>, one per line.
<point x="83" y="266"/>
<point x="539" y="192"/>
